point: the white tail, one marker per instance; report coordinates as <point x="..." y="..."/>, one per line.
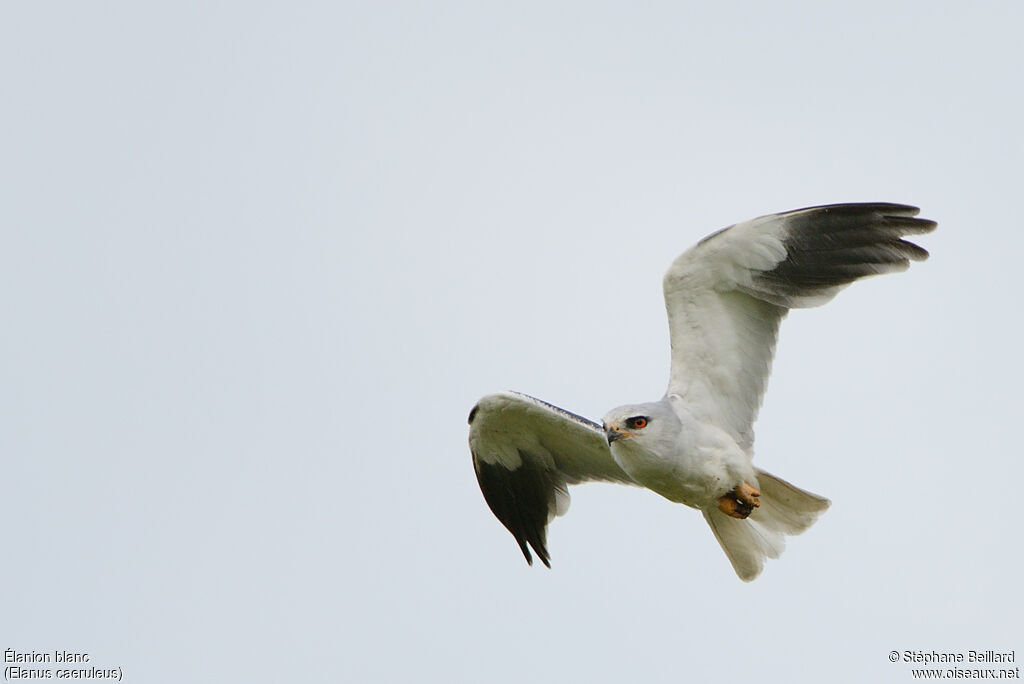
<point x="785" y="509"/>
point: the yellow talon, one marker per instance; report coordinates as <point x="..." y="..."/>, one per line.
<point x="740" y="502"/>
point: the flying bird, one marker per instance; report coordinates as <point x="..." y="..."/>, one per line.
<point x="725" y="297"/>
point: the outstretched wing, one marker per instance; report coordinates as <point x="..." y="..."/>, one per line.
<point x="727" y="295"/>
<point x="525" y="453"/>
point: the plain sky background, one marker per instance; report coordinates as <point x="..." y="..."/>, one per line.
<point x="258" y="261"/>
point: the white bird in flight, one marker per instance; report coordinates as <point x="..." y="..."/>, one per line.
<point x="725" y="299"/>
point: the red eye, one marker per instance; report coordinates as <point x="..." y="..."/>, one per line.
<point x="638" y="423"/>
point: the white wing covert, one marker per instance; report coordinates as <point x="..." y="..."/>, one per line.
<point x="525" y="454"/>
<point x="727" y="295"/>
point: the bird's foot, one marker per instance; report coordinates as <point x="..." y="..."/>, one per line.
<point x="740" y="502"/>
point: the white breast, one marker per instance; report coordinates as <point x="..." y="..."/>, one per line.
<point x="694" y="467"/>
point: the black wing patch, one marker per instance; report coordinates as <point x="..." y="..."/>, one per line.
<point x="832" y="246"/>
<point x="523" y="499"/>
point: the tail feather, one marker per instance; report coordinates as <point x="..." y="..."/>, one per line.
<point x="745" y="542"/>
<point x="785" y="510"/>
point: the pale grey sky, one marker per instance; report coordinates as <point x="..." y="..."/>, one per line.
<point x="259" y="260"/>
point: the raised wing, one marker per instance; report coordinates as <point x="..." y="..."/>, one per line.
<point x="525" y="453"/>
<point x="727" y="295"/>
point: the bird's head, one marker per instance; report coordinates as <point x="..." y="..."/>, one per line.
<point x="648" y="427"/>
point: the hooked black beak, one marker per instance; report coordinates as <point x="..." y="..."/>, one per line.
<point x="612" y="434"/>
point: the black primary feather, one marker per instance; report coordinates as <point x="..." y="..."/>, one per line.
<point x="522" y="499"/>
